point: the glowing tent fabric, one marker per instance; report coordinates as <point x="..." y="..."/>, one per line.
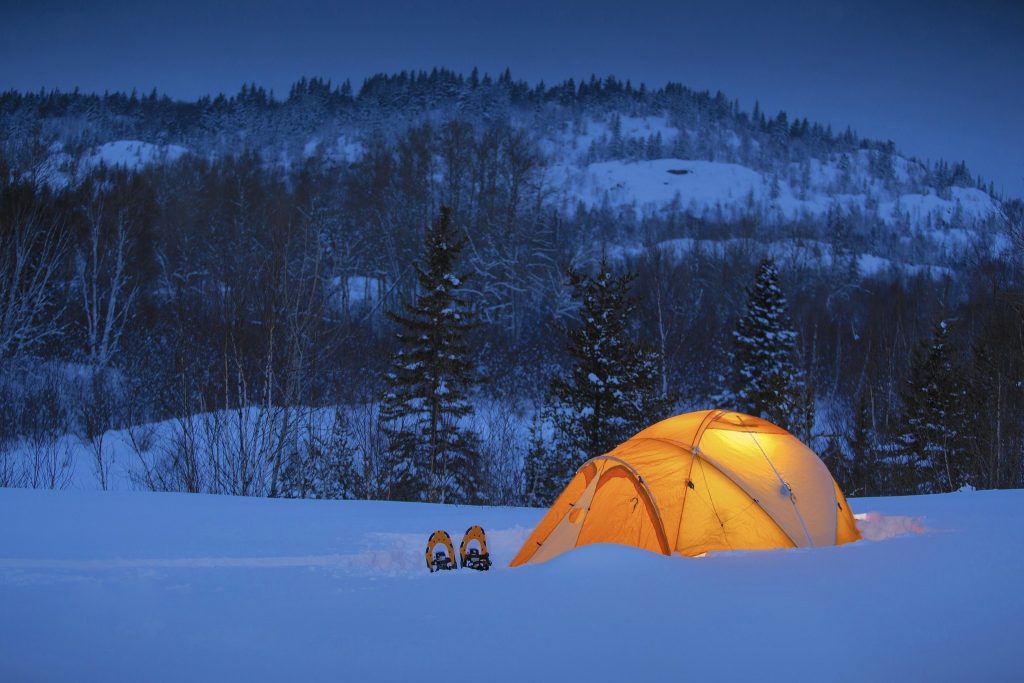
<point x="699" y="482"/>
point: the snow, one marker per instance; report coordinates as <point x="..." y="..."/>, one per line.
<point x="698" y="185"/>
<point x="951" y="222"/>
<point x="59" y="169"/>
<point x="348" y="150"/>
<point x="712" y="189"/>
<point x="310" y="148"/>
<point x="643" y="126"/>
<point x="364" y="289"/>
<point x="964" y="204"/>
<point x="572" y="145"/>
<point x="355" y="292"/>
<point x="805" y="252"/>
<point x="133" y="154"/>
<point x="124" y="586"/>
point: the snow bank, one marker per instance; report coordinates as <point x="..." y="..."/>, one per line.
<point x="164" y="587"/>
<point x="874" y="526"/>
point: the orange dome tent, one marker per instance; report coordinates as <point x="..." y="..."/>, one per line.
<point x="704" y="481"/>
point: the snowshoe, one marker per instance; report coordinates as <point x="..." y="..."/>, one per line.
<point x="474" y="557"/>
<point x="443" y="559"/>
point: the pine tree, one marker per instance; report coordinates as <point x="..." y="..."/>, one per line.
<point x="433" y="457"/>
<point x="611" y="390"/>
<point x="861" y="476"/>
<point x="542" y="476"/>
<point x="324" y="465"/>
<point x="932" y="442"/>
<point x="334" y="472"/>
<point x="765" y="380"/>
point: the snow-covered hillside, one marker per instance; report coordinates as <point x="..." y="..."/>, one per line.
<point x="169" y="587"/>
<point x="716" y="190"/>
<point x="669" y="162"/>
<point x="60" y="169"/>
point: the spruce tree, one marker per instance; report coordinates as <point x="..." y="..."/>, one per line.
<point x="324" y="465"/>
<point x="335" y="473"/>
<point x="433" y="457"/>
<point x="932" y="443"/>
<point x="765" y="380"/>
<point x="611" y="390"/>
<point x="863" y="471"/>
<point x="294" y="479"/>
<point x="543" y="473"/>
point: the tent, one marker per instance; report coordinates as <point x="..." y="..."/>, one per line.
<point x="699" y="482"/>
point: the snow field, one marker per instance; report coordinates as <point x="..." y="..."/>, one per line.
<point x="707" y="188"/>
<point x="125" y="586"/>
<point x="134" y="154"/>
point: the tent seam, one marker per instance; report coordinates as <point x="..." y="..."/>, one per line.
<point x="694" y="449"/>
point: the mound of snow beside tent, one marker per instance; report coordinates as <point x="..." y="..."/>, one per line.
<point x="165" y="587"/>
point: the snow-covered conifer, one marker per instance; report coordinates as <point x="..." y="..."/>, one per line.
<point x="541" y="479"/>
<point x="863" y="473"/>
<point x="433" y="456"/>
<point x="932" y="443"/>
<point x="765" y="379"/>
<point x="323" y="465"/>
<point x="611" y="390"/>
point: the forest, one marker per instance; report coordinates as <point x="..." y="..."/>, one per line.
<point x="419" y="312"/>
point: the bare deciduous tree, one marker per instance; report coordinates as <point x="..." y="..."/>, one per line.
<point x="103" y="279"/>
<point x="32" y="250"/>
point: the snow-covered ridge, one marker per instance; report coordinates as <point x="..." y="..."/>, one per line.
<point x="649" y="163"/>
<point x="662" y="166"/>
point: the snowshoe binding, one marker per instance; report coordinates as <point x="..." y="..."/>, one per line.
<point x="443" y="559"/>
<point x="474" y="556"/>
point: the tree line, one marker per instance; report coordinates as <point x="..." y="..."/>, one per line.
<point x="46" y="131"/>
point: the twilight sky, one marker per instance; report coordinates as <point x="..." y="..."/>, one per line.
<point x="942" y="79"/>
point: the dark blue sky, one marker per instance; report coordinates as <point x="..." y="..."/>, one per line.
<point x="941" y="78"/>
